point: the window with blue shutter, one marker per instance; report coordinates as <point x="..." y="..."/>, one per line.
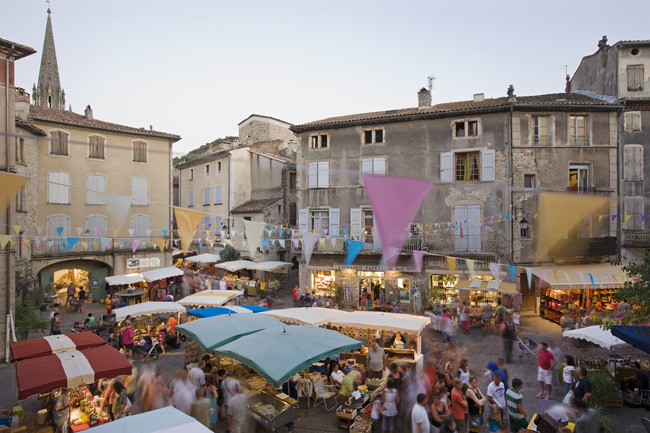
<point x="140" y="191"/>
<point x="206" y="196"/>
<point x="59" y="187"/>
<point x="191" y="198"/>
<point x="95" y="183"/>
<point x="140" y="225"/>
<point x="218" y="194"/>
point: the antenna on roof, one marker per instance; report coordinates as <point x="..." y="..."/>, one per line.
<point x="431" y="79"/>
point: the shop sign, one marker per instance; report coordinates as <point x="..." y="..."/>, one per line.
<point x="145" y="262"/>
<point x="377" y="268"/>
<point x="94" y="283"/>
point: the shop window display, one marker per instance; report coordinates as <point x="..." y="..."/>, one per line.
<point x="323" y="283"/>
<point x="445" y="285"/>
<point x="372" y="283"/>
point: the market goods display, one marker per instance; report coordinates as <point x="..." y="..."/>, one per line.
<point x="266" y="410"/>
<point x="362" y="424"/>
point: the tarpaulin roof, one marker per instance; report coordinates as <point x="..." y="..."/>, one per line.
<point x="146" y="308"/>
<point x="233" y="309"/>
<point x="307" y="315"/>
<point x="637" y="336"/>
<point x="165" y="420"/>
<point x="235" y="265"/>
<point x="577" y="276"/>
<point x="118" y="280"/>
<point x="204" y="258"/>
<point x="54" y="344"/>
<point x="596" y="335"/>
<point x="44" y="374"/>
<point x="383" y="321"/>
<point x="268" y="266"/>
<point x="210" y="297"/>
<point x="487" y="286"/>
<point x="161" y="273"/>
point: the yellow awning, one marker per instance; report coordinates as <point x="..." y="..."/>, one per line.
<point x="486" y="286"/>
<point x="605" y="275"/>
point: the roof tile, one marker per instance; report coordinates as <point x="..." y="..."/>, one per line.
<point x="254" y="206"/>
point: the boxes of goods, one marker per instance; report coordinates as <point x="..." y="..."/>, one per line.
<point x="362" y="424"/>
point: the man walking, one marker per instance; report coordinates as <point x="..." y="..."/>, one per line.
<point x="72" y="290"/>
<point x="507" y="331"/>
<point x="419" y="416"/>
<point x="545" y="370"/>
<point x="376" y="362"/>
<point x="582" y="389"/>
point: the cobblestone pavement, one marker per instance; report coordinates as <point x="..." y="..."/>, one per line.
<point x="479" y="348"/>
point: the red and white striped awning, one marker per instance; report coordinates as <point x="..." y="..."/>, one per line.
<point x="54" y="344"/>
<point x="68" y="369"/>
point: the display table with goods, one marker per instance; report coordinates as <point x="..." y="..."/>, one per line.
<point x="131" y="294"/>
<point x="555" y="303"/>
<point x="272" y="411"/>
<point x="348" y="412"/>
<point x="84" y="410"/>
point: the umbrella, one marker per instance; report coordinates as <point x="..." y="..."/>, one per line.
<point x="54" y="344"/>
<point x="215" y="331"/>
<point x="204" y="258"/>
<point x="218" y="311"/>
<point x="279" y="353"/>
<point x="165" y="420"/>
<point x="637" y="336"/>
<point x="307" y="315"/>
<point x="44" y="374"/>
<point x="235" y="265"/>
<point x="596" y="335"/>
<point x="147" y="308"/>
<point x="210" y="297"/>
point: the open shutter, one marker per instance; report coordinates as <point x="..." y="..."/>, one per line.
<point x="355" y="222"/>
<point x="446" y="165"/>
<point x="303" y="219"/>
<point x="487" y="165"/>
<point x="313" y="175"/>
<point x="376" y="239"/>
<point x="460" y="216"/>
<point x="335" y="217"/>
<point x="324" y="174"/>
<point x="366" y="166"/>
<point x="218" y="194"/>
<point x="379" y="166"/>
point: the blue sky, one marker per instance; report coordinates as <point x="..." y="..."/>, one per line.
<point x="197" y="68"/>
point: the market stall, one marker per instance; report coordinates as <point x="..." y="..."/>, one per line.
<point x="306" y="315"/>
<point x="146" y="317"/>
<point x="637" y="336"/>
<point x="235" y="265"/>
<point x="204" y="259"/>
<point x="233" y="309"/>
<point x="597" y="335"/>
<point x="131" y="295"/>
<point x="148" y="309"/>
<point x="124" y="280"/>
<point x="163" y="282"/>
<point x="165" y="420"/>
<point x="52" y="344"/>
<point x="209" y="298"/>
<point x="374" y="326"/>
<point x="481" y="292"/>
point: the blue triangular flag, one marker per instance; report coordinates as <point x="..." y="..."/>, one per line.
<point x="354" y="248"/>
<point x="59" y="230"/>
<point x="72" y="242"/>
<point x="266" y="243"/>
<point x="164" y="232"/>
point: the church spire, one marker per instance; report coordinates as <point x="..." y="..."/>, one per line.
<point x="49" y="92"/>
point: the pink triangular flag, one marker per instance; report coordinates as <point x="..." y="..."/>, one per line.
<point x="296" y="243"/>
<point x="394" y="201"/>
<point x="494" y="268"/>
<point x="418" y="258"/>
<point x="134" y="243"/>
<point x="308" y="242"/>
<point x="39" y="229"/>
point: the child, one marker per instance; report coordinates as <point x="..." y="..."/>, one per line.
<point x="375" y="415"/>
<point x="515" y="402"/>
<point x="516" y="319"/>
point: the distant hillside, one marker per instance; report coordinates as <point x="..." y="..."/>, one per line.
<point x="197" y="152"/>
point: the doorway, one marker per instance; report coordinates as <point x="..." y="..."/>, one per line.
<point x="372" y="283"/>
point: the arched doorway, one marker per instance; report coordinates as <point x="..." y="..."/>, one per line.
<point x="90" y="274"/>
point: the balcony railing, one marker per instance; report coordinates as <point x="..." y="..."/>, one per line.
<point x="372" y="245"/>
<point x="116" y="246"/>
<point x="636" y="238"/>
<point x="584" y="247"/>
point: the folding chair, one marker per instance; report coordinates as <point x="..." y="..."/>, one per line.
<point x="646" y="424"/>
<point x="323" y="392"/>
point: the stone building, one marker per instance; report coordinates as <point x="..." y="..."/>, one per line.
<point x="488" y="160"/>
<point x="622" y="71"/>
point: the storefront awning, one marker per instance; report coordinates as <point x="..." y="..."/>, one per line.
<point x="119" y="280"/>
<point x="162" y="273"/>
<point x="605" y="275"/>
<point x="487" y="286"/>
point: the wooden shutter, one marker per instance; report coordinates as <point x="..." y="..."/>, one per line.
<point x="95" y="183"/>
<point x="446" y="166"/>
<point x="59" y="193"/>
<point x="335" y="217"/>
<point x="324" y="174"/>
<point x="633" y="162"/>
<point x="313" y="175"/>
<point x="379" y="166"/>
<point x="487" y="165"/>
<point x="140" y="191"/>
<point x="376" y="239"/>
<point x="474" y="228"/>
<point x="218" y="194"/>
<point x="206" y="195"/>
<point x="55" y="221"/>
<point x="460" y="216"/>
<point x="140" y="225"/>
<point x="217" y="222"/>
<point x="191" y="198"/>
<point x="634" y="207"/>
<point x="366" y="166"/>
<point x="355" y="222"/>
<point x="303" y="220"/>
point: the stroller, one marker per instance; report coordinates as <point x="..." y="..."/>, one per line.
<point x="148" y="349"/>
<point x="527" y="347"/>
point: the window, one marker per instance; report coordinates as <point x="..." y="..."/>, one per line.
<point x="58" y="227"/>
<point x="319" y="141"/>
<point x="96" y="145"/>
<point x="467" y="230"/>
<point x="320" y="220"/>
<point x="20" y="200"/>
<point x="206" y="196"/>
<point x="21" y="237"/>
<point x="319" y="174"/>
<point x="96" y="225"/>
<point x="95" y="183"/>
<point x="467" y="168"/>
<point x="218" y="194"/>
<point x="191" y="198"/>
<point x="466" y="128"/>
<point x="292" y="181"/>
<point x="579" y="178"/>
<point x="140" y="191"/>
<point x="292" y="214"/>
<point x="139" y="151"/>
<point x="59" y="145"/>
<point x="633" y="162"/>
<point x="20" y="150"/>
<point x="529" y="181"/>
<point x="218" y="221"/>
<point x="541" y="130"/>
<point x="219" y="167"/>
<point x="368" y="221"/>
<point x="373" y="166"/>
<point x="634" y="208"/>
<point x="635" y="78"/>
<point x="205" y="222"/>
<point x="140" y="225"/>
<point x="373" y="136"/>
<point x="58" y="190"/>
<point x="207" y="170"/>
<point x="577" y="130"/>
<point x="632" y="121"/>
<point x="191" y="174"/>
<point x="248" y="218"/>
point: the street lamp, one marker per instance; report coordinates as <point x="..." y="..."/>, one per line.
<point x="523" y="225"/>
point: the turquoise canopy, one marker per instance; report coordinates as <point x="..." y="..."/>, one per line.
<point x="212" y="332"/>
<point x="279" y="353"/>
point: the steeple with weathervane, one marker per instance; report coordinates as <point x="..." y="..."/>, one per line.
<point x="49" y="92"/>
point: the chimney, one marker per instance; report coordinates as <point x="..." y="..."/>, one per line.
<point x="512" y="98"/>
<point x="424" y="99"/>
<point x="479" y="97"/>
<point x="88" y="113"/>
<point x="567" y="88"/>
<point x="22" y="104"/>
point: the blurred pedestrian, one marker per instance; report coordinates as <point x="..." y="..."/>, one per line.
<point x="200" y="407"/>
<point x="389" y="404"/>
<point x="107" y="304"/>
<point x="458" y="405"/>
<point x="516" y="410"/>
<point x="162" y="336"/>
<point x="182" y="392"/>
<point x="238" y="418"/>
<point x="419" y="416"/>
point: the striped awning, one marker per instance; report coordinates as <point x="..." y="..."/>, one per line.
<point x="604" y="275"/>
<point x="487" y="286"/>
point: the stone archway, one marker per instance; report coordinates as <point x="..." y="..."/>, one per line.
<point x="97" y="270"/>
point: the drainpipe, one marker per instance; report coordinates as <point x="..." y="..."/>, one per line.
<point x="619" y="175"/>
<point x="510" y="182"/>
<point x="171" y="197"/>
<point x="8" y="164"/>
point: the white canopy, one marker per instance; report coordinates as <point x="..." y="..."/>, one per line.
<point x="383" y="321"/>
<point x="306" y="315"/>
<point x="147" y="308"/>
<point x="235" y="265"/>
<point x="204" y="258"/>
<point x="268" y="266"/>
<point x="162" y="273"/>
<point x="165" y="420"/>
<point x="118" y="280"/>
<point x="211" y="298"/>
<point x="596" y="335"/>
